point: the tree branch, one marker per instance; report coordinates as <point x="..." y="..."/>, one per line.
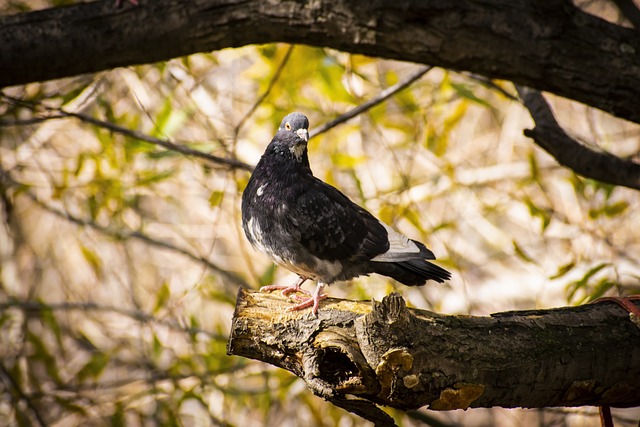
<point x="7" y="181"/>
<point x="60" y="113"/>
<point x="19" y="395"/>
<point x="378" y="99"/>
<point x="386" y="354"/>
<point x="548" y="134"/>
<point x="630" y="11"/>
<point x="549" y="45"/>
<point x="137" y="315"/>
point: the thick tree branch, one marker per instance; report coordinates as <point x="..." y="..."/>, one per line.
<point x="386" y="354"/>
<point x="548" y="134"/>
<point x="549" y="45"/>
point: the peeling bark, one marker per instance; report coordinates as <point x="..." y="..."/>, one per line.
<point x="386" y="354"/>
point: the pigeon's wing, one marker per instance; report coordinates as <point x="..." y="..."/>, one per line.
<point x="332" y="227"/>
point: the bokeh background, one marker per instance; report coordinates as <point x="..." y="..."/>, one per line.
<point x="120" y="259"/>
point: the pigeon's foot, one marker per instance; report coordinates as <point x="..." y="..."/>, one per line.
<point x="287" y="289"/>
<point x="314" y="301"/>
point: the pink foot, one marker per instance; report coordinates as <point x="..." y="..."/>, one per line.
<point x="314" y="301"/>
<point x="287" y="289"/>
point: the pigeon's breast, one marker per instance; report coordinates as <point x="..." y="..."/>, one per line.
<point x="285" y="250"/>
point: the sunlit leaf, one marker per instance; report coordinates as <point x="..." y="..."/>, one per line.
<point x="466" y="92"/>
<point x="42" y="353"/>
<point x="93" y="259"/>
<point x="600" y="288"/>
<point x="146" y="178"/>
<point x="344" y="160"/>
<point x="49" y="319"/>
<point x="562" y="270"/>
<point x="216" y="198"/>
<point x="162" y="297"/>
<point x="522" y="254"/>
<point x="94" y="367"/>
<point x="582" y="284"/>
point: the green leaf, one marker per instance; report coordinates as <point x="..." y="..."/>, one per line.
<point x="562" y="270"/>
<point x="156" y="347"/>
<point x="93" y="259"/>
<point x="600" y="288"/>
<point x="216" y="198"/>
<point x="49" y="319"/>
<point x="522" y="254"/>
<point x="168" y="120"/>
<point x="583" y="283"/>
<point x="163" y="296"/>
<point x="346" y="161"/>
<point x="533" y="166"/>
<point x="42" y="353"/>
<point x="146" y="178"/>
<point x="94" y="367"/>
<point x="616" y="208"/>
<point x="543" y="213"/>
<point x="466" y="92"/>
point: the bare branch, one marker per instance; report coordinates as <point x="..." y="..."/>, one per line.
<point x="568" y="152"/>
<point x="272" y="83"/>
<point x="137" y="315"/>
<point x="378" y="99"/>
<point x="61" y="113"/>
<point x="8" y="181"/>
<point x="19" y="395"/>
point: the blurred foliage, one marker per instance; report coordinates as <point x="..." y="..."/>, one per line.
<point x="110" y="316"/>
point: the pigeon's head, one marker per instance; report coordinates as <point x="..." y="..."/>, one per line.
<point x="293" y="134"/>
<point x="296" y="123"/>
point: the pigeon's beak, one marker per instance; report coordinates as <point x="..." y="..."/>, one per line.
<point x="304" y="134"/>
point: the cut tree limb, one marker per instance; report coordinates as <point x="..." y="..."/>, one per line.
<point x="549" y="45"/>
<point x="386" y="354"/>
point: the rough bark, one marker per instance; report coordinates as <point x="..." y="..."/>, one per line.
<point x="544" y="44"/>
<point x="583" y="160"/>
<point x="386" y="354"/>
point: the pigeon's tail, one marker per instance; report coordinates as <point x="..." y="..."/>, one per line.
<point x="411" y="273"/>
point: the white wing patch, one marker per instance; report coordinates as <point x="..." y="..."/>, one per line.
<point x="401" y="248"/>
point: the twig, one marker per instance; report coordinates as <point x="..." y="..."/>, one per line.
<point x="7" y="180"/>
<point x="61" y="113"/>
<point x="381" y="97"/>
<point x="13" y="385"/>
<point x="272" y="83"/>
<point x="138" y="315"/>
<point x="489" y="83"/>
<point x="548" y="134"/>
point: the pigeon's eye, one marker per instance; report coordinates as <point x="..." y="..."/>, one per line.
<point x="287" y="126"/>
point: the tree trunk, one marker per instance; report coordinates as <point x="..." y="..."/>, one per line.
<point x="387" y="354"/>
<point x="544" y="44"/>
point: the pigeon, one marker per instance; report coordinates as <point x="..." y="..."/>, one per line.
<point x="310" y="228"/>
